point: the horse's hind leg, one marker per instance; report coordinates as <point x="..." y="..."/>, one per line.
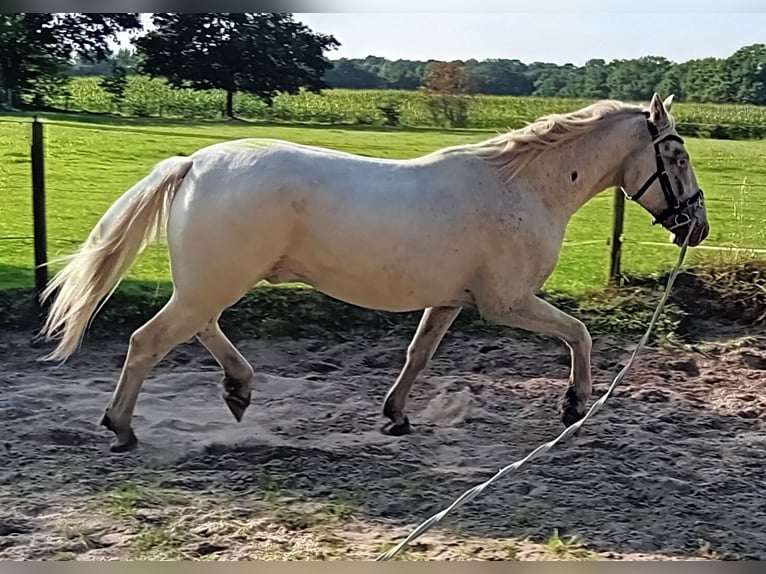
<point x="176" y="322"/>
<point x="237" y="372"/>
<point x="433" y="325"/>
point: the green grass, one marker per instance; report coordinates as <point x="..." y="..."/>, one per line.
<point x="89" y="163"/>
<point x="569" y="549"/>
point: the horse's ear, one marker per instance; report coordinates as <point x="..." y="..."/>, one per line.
<point x="657" y="112"/>
<point x="668" y="103"/>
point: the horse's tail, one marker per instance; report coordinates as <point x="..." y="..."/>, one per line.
<point x="95" y="270"/>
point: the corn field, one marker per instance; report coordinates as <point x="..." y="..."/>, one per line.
<point x="146" y="97"/>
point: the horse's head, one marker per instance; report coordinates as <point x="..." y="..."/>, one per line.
<point x="659" y="176"/>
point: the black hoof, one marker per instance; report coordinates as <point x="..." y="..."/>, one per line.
<point x="126" y="439"/>
<point x="570" y="417"/>
<point x="398" y="429"/>
<point x="124" y="444"/>
<point x="237" y="405"/>
<point x="570" y="414"/>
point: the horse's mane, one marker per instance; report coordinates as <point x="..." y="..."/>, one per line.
<point x="514" y="150"/>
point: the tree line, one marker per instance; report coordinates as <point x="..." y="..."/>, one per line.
<point x="267" y="54"/>
<point x="740" y="78"/>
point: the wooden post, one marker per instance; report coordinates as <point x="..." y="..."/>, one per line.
<point x="38" y="206"/>
<point x="617" y="226"/>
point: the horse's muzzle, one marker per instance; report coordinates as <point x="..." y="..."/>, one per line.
<point x="699" y="233"/>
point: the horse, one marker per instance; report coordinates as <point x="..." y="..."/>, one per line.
<point x="477" y="225"/>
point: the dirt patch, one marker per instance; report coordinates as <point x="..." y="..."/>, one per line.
<point x="671" y="468"/>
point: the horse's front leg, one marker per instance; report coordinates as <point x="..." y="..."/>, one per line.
<point x="534" y="314"/>
<point x="431" y="329"/>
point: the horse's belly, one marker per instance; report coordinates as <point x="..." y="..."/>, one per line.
<point x="384" y="287"/>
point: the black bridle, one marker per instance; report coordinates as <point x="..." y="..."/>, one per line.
<point x="675" y="207"/>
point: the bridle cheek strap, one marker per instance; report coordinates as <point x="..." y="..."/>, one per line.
<point x="675" y="208"/>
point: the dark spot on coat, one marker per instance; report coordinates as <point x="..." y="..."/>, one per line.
<point x="574" y="176"/>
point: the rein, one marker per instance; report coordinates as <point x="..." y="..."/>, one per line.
<point x="675" y="207"/>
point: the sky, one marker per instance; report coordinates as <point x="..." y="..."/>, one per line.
<point x="676" y="29"/>
<point x="558" y="38"/>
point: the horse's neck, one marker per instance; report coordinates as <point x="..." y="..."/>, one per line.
<point x="592" y="164"/>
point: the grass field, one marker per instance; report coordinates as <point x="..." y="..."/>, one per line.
<point x="91" y="160"/>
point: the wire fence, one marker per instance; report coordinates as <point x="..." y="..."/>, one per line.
<point x="86" y="167"/>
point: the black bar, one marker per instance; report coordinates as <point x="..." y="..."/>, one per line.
<point x="617" y="225"/>
<point x="38" y="206"/>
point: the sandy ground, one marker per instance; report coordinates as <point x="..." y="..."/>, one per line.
<point x="671" y="468"/>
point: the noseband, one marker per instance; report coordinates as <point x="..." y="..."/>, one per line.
<point x="675" y="207"/>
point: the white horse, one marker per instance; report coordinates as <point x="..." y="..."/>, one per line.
<point x="476" y="225"/>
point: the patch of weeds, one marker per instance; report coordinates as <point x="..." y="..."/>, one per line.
<point x="342" y="506"/>
<point x="340" y="510"/>
<point x="155" y="543"/>
<point x="623" y="310"/>
<point x="126" y="500"/>
<point x="297" y="515"/>
<point x="272" y="488"/>
<point x="569" y="549"/>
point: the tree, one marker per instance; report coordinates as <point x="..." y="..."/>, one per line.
<point x="448" y="86"/>
<point x="350" y="74"/>
<point x="745" y="73"/>
<point x="594" y="76"/>
<point x="116" y="82"/>
<point x="637" y="79"/>
<point x="262" y="54"/>
<point x="403" y="74"/>
<point x="503" y="77"/>
<point x="553" y="81"/>
<point x="702" y="81"/>
<point x="449" y="78"/>
<point x="671" y="83"/>
<point x="36" y="49"/>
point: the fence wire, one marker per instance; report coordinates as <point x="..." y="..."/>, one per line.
<point x="59" y="196"/>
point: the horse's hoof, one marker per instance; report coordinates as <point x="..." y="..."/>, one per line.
<point x="570" y="414"/>
<point x="126" y="439"/>
<point x="125" y="443"/>
<point x="237" y="405"/>
<point x="398" y="429"/>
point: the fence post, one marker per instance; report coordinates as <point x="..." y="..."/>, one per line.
<point x="38" y="206"/>
<point x="617" y="225"/>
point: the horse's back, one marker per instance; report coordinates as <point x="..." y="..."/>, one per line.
<point x="288" y="171"/>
